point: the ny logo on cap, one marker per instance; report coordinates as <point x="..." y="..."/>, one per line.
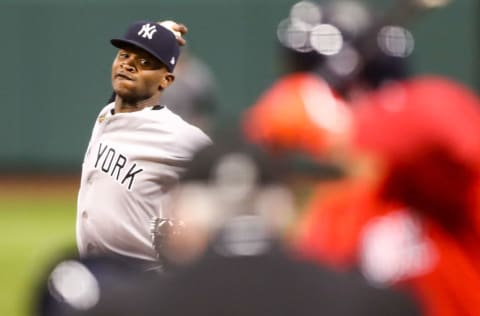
<point x="147" y="31"/>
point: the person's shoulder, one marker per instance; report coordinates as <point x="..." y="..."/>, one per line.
<point x="190" y="131"/>
<point x="106" y="109"/>
<point x="182" y="130"/>
<point x="104" y="113"/>
<point x="175" y="119"/>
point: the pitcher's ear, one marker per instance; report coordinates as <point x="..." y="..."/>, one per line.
<point x="167" y="80"/>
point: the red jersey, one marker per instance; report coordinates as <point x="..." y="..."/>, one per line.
<point x="418" y="226"/>
<point x="347" y="224"/>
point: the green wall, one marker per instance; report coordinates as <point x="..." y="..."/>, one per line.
<point x="56" y="62"/>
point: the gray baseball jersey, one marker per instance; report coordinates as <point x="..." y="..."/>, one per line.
<point x="132" y="162"/>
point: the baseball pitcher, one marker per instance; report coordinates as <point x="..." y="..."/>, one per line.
<point x="137" y="150"/>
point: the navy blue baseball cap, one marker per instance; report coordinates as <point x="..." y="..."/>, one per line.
<point x="153" y="38"/>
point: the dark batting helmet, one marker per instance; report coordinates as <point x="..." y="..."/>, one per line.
<point x="345" y="42"/>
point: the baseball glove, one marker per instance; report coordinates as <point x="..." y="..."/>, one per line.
<point x="161" y="230"/>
